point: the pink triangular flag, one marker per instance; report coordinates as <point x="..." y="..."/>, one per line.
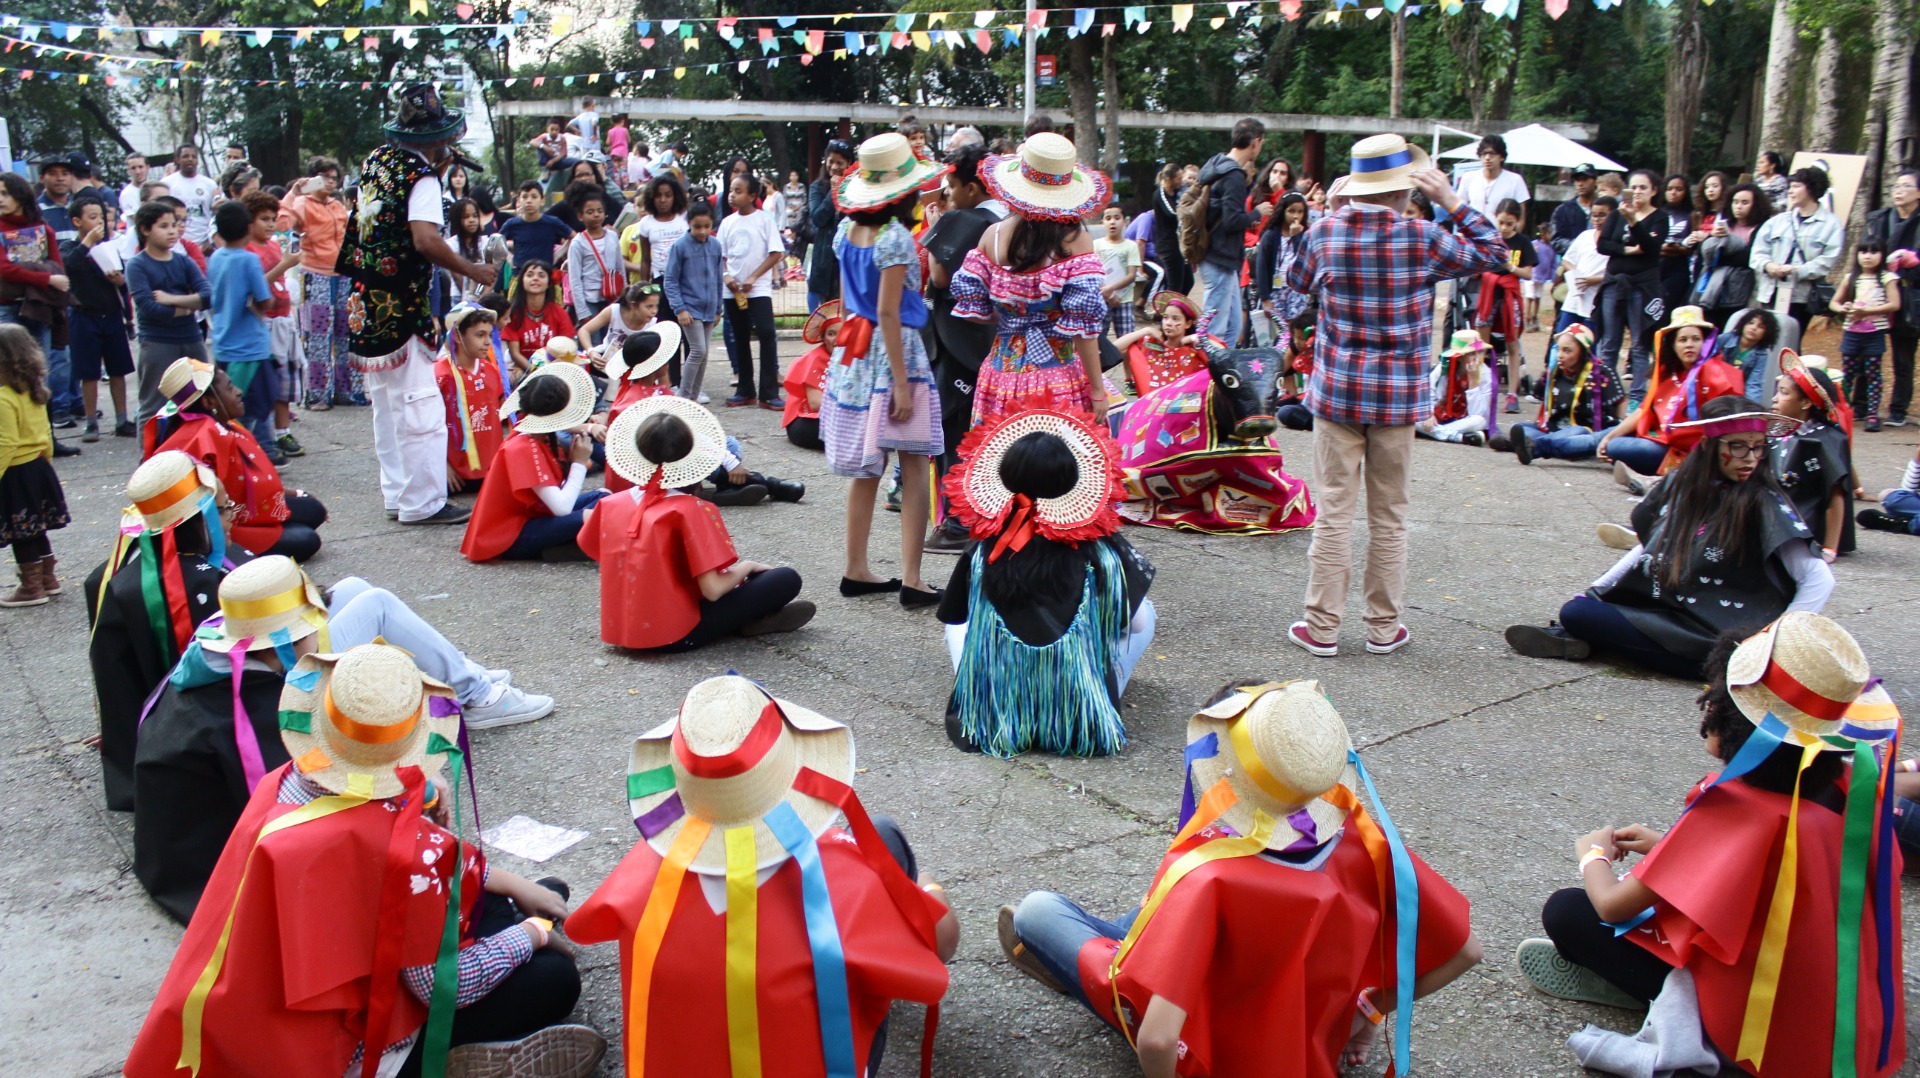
<point x="983" y="41"/>
<point x="465" y="11"/>
<point x="1556" y="8"/>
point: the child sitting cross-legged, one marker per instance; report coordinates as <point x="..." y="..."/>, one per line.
<point x="1579" y="400"/>
<point x="533" y="507"/>
<point x="636" y="370"/>
<point x="669" y="576"/>
<point x="1899" y="506"/>
<point x="471" y="387"/>
<point x="1462" y="393"/>
<point x="1268" y="943"/>
<point x="806" y="381"/>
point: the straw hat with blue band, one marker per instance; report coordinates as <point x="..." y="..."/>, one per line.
<point x="1381" y="164"/>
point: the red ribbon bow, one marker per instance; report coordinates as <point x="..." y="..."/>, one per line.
<point x="649" y="494"/>
<point x="856" y="335"/>
<point x="1020" y="527"/>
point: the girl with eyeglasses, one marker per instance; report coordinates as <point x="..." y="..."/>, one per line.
<point x="1721" y="548"/>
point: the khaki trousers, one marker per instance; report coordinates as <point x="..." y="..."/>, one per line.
<point x="1345" y="456"/>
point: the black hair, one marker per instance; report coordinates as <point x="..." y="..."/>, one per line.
<point x="633" y="294"/>
<point x="1610" y="202"/>
<point x="1509" y="208"/>
<point x="702" y="208"/>
<point x="1703" y="510"/>
<point x="581" y="192"/>
<point x="1721" y="717"/>
<point x="1872" y="245"/>
<point x="148" y="215"/>
<point x="1042" y="573"/>
<point x="21" y="192"/>
<point x="1766" y="318"/>
<point x="754" y="186"/>
<point x="518" y="309"/>
<point x="171" y="203"/>
<point x="653" y="190"/>
<point x="1668" y="352"/>
<point x="231" y="221"/>
<point x="1653" y="179"/>
<point x="531" y="185"/>
<point x="910" y="126"/>
<point x="1039" y="465"/>
<point x="1686" y="193"/>
<point x="966" y="163"/>
<point x="495" y="302"/>
<point x="321" y="164"/>
<point x="1247" y="131"/>
<point x="1035" y="241"/>
<point x="467" y="243"/>
<point x="80" y="202"/>
<point x="901" y="209"/>
<point x="638" y="347"/>
<point x="662" y="438"/>
<point x="544" y="396"/>
<point x="1815" y="180"/>
<point x="1700" y="201"/>
<point x="1774" y="159"/>
<point x="1038" y="124"/>
<point x="1278" y="218"/>
<point x="838" y="146"/>
<point x="1762" y="205"/>
<point x="1825" y="382"/>
<point x="1492" y="142"/>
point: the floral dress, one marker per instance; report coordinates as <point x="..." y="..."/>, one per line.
<point x="1041" y="313"/>
<point x="856" y="423"/>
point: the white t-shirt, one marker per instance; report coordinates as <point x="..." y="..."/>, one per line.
<point x="1484" y="194"/>
<point x="425" y="203"/>
<point x="129" y="202"/>
<point x="745" y="240"/>
<point x="661" y="236"/>
<point x="1117" y="256"/>
<point x="1583" y="260"/>
<point x="200" y="193"/>
<point x="588" y="124"/>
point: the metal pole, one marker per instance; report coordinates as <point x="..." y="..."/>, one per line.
<point x="1028" y="113"/>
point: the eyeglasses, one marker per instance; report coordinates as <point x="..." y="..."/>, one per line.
<point x="1743" y="450"/>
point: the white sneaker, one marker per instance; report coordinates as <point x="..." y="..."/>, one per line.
<point x="511" y="707"/>
<point x="499" y="675"/>
<point x="703" y="399"/>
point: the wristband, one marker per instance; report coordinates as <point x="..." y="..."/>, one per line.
<point x="930" y="888"/>
<point x="545" y="928"/>
<point x="1594" y="853"/>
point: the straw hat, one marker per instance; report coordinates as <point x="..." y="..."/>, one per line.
<point x="457" y="317"/>
<point x="669" y="334"/>
<point x="1792" y="363"/>
<point x="169" y="488"/>
<point x="1774" y="424"/>
<point x="623" y="451"/>
<point x="815" y="331"/>
<point x="362" y="715"/>
<point x="182" y="383"/>
<point x="1380" y="164"/>
<point x="562" y="350"/>
<point x="263" y="597"/>
<point x="579" y="400"/>
<point x="1466" y="341"/>
<point x="730" y="757"/>
<point x="1085" y="511"/>
<point x="1806" y="671"/>
<point x="1167" y="297"/>
<point x="887" y="172"/>
<point x="1689" y="315"/>
<point x="1281" y="747"/>
<point x="1582" y="335"/>
<point x="1045" y="180"/>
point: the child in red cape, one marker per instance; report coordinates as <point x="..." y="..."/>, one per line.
<point x="636" y="370"/>
<point x="533" y="507"/>
<point x="471" y="388"/>
<point x="1268" y="943"/>
<point x="201" y="418"/>
<point x="1783" y="712"/>
<point x="669" y="577"/>
<point x="806" y="380"/>
<point x="824" y="900"/>
<point x="361" y="910"/>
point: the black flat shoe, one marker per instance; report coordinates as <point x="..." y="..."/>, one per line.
<point x="853" y="589"/>
<point x="912" y="598"/>
<point x="1552" y="642"/>
<point x="955" y="734"/>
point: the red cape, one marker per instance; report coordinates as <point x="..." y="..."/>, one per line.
<point x="249" y="477"/>
<point x="292" y="995"/>
<point x="507" y="499"/>
<point x="807" y="372"/>
<point x="1667" y="396"/>
<point x="886" y="957"/>
<point x="484" y="395"/>
<point x="1151" y="369"/>
<point x="649" y="583"/>
<point x="1267" y="959"/>
<point x="1715" y="873"/>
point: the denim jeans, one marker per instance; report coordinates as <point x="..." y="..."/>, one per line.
<point x="1904" y="504"/>
<point x="540" y="533"/>
<point x="1627" y="310"/>
<point x="1054" y="928"/>
<point x="1223" y="302"/>
<point x="1567" y="443"/>
<point x="357" y="612"/>
<point x="1643" y="455"/>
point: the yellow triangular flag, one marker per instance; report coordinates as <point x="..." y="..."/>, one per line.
<point x="1182" y="15"/>
<point x="209" y="38"/>
<point x="416" y="7"/>
<point x="920" y="39"/>
<point x="562" y="24"/>
<point x="1217" y="21"/>
<point x="679" y="72"/>
<point x="349" y="33"/>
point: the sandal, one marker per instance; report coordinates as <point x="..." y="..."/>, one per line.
<point x="1018" y="954"/>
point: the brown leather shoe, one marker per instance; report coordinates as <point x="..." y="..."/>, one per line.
<point x="29" y="593"/>
<point x="48" y="582"/>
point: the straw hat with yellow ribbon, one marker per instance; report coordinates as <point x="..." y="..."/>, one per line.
<point x="1281" y="749"/>
<point x="351" y="721"/>
<point x="170" y="487"/>
<point x="267" y="602"/>
<point x="1810" y="674"/>
<point x="183" y="382"/>
<point x="729" y="759"/>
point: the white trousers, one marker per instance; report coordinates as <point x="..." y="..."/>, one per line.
<point x="410" y="435"/>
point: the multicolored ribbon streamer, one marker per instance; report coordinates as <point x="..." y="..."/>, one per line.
<point x="1863" y="789"/>
<point x="383" y="985"/>
<point x="651" y="932"/>
<point x="446" y="965"/>
<point x="460" y="400"/>
<point x="1406" y="914"/>
<point x="823" y="941"/>
<point x="1773" y="941"/>
<point x="193" y="1014"/>
<point x="743" y="953"/>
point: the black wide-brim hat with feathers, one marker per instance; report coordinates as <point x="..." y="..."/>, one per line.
<point x="421" y="118"/>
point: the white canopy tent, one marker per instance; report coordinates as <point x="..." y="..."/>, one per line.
<point x="1536" y="144"/>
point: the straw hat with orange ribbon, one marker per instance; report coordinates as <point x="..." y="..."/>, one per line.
<point x="1280" y="748"/>
<point x="983" y="502"/>
<point x="183" y="382"/>
<point x="1810" y="674"/>
<point x="729" y="759"/>
<point x="170" y="487"/>
<point x="351" y="721"/>
<point x="266" y="602"/>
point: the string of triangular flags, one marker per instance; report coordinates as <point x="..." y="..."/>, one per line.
<point x="908" y="29"/>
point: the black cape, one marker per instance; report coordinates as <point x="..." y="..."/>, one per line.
<point x="126" y="658"/>
<point x="1719" y="595"/>
<point x="189" y="786"/>
<point x="1810" y="462"/>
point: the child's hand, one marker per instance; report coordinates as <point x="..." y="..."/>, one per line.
<point x="684" y="318"/>
<point x="580" y="451"/>
<point x="455" y="484"/>
<point x="1602" y="838"/>
<point x="737" y="474"/>
<point x="1636" y="838"/>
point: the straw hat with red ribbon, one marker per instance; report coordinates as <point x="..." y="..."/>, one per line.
<point x="353" y="720"/>
<point x="729" y="758"/>
<point x="627" y="462"/>
<point x="1772" y="424"/>
<point x="1810" y="674"/>
<point x="823" y="316"/>
<point x="666" y="345"/>
<point x="989" y="509"/>
<point x="1800" y="369"/>
<point x="170" y="487"/>
<point x="266" y="602"/>
<point x="1045" y="180"/>
<point x="1167" y="297"/>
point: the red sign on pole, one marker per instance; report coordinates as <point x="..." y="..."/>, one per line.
<point x="1044" y="68"/>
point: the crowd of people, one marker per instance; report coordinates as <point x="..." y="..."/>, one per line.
<point x="977" y="358"/>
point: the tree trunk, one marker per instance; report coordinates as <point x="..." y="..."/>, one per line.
<point x="1501" y="107"/>
<point x="1776" y="107"/>
<point x="1892" y="46"/>
<point x="1828" y="94"/>
<point x="1080" y="92"/>
<point x="1900" y="110"/>
<point x="1686" y="82"/>
<point x="1110" y="151"/>
<point x="1396" y="94"/>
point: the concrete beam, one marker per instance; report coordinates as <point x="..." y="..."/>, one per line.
<point x="653" y="109"/>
